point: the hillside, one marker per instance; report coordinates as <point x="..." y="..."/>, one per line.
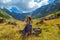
<point x="3" y="14"/>
<point x="50" y="29"/>
<point x="17" y="16"/>
<point x="38" y="13"/>
<point x="46" y="10"/>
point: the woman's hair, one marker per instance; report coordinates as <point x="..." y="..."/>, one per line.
<point x="28" y="17"/>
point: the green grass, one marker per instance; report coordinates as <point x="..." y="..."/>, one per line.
<point x="3" y="14"/>
<point x="49" y="30"/>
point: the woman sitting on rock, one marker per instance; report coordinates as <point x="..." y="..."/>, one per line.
<point x="28" y="28"/>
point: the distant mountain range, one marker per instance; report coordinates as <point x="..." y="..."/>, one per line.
<point x="38" y="13"/>
<point x="46" y="10"/>
<point x="18" y="16"/>
<point x="4" y="15"/>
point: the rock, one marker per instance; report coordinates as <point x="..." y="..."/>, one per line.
<point x="2" y="20"/>
<point x="51" y="17"/>
<point x="37" y="23"/>
<point x="36" y="31"/>
<point x="58" y="15"/>
<point x="45" y="19"/>
<point x="12" y="23"/>
<point x="20" y="31"/>
<point x="41" y="22"/>
<point x="58" y="25"/>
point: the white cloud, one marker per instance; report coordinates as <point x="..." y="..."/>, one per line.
<point x="33" y="4"/>
<point x="26" y="11"/>
<point x="6" y="1"/>
<point x="25" y="5"/>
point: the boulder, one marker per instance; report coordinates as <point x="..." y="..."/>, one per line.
<point x="36" y="31"/>
<point x="58" y="15"/>
<point x="2" y="20"/>
<point x="37" y="23"/>
<point x="12" y="23"/>
<point x="51" y="17"/>
<point x="46" y="19"/>
<point x="58" y="25"/>
<point x="41" y="22"/>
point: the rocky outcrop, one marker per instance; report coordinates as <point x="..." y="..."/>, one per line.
<point x="2" y="20"/>
<point x="12" y="23"/>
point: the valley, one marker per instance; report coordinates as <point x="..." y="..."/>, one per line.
<point x="9" y="30"/>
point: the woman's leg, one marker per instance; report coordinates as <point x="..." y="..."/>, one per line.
<point x="23" y="37"/>
<point x="26" y="36"/>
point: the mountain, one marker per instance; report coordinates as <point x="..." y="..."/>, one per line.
<point x="38" y="13"/>
<point x="15" y="9"/>
<point x="46" y="10"/>
<point x="3" y="14"/>
<point x="18" y="16"/>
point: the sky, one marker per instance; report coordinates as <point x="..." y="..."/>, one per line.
<point x="24" y="6"/>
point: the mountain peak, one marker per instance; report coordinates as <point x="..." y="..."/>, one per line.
<point x="16" y="10"/>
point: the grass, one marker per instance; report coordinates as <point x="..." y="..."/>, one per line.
<point x="49" y="30"/>
<point x="3" y="14"/>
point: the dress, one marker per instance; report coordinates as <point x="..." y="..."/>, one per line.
<point x="27" y="29"/>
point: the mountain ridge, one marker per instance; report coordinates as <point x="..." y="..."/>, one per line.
<point x="17" y="16"/>
<point x="3" y="14"/>
<point x="46" y="10"/>
<point x="38" y="13"/>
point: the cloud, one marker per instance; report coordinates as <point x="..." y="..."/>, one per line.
<point x="6" y="1"/>
<point x="33" y="4"/>
<point x="25" y="5"/>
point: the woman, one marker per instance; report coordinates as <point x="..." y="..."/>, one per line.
<point x="28" y="28"/>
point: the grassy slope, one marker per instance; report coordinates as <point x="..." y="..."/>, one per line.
<point x="3" y="14"/>
<point x="49" y="30"/>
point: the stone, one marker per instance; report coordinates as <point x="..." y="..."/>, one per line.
<point x="12" y="23"/>
<point x="58" y="25"/>
<point x="36" y="31"/>
<point x="41" y="22"/>
<point x="2" y="20"/>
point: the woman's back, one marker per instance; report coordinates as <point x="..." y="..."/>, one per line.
<point x="28" y="28"/>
